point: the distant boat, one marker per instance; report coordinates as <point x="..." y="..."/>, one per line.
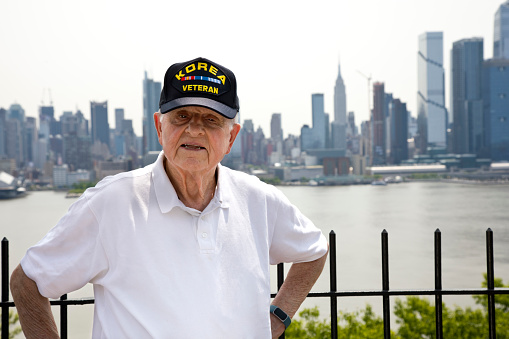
<point x="378" y="183"/>
<point x="312" y="182"/>
<point x="10" y="187"/>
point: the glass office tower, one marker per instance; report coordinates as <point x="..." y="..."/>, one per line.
<point x="431" y="111"/>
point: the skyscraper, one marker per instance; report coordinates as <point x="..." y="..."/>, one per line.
<point x="14" y="129"/>
<point x="377" y="124"/>
<point x="151" y="94"/>
<point x="466" y="95"/>
<point x="76" y="151"/>
<point x="496" y="107"/>
<point x="339" y="124"/>
<point x="276" y="130"/>
<point x="399" y="135"/>
<point x="119" y="119"/>
<point x="431" y="111"/>
<point x="319" y="123"/>
<point x="501" y="32"/>
<point x="100" y="125"/>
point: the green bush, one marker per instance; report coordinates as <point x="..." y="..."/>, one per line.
<point x="13" y="322"/>
<point x="415" y="317"/>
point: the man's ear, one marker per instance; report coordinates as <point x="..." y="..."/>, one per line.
<point x="233" y="134"/>
<point x="157" y="124"/>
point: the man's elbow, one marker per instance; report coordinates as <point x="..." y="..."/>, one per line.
<point x="21" y="283"/>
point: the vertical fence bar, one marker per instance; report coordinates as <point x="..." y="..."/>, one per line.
<point x="280" y="281"/>
<point x="63" y="318"/>
<point x="438" y="285"/>
<point x="491" y="283"/>
<point x="333" y="285"/>
<point x="385" y="285"/>
<point x="5" y="288"/>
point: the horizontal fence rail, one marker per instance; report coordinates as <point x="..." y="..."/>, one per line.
<point x="490" y="291"/>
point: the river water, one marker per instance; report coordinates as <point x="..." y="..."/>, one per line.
<point x="410" y="212"/>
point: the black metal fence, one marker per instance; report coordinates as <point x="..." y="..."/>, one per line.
<point x="333" y="294"/>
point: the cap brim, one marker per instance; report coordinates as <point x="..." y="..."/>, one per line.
<point x="218" y="107"/>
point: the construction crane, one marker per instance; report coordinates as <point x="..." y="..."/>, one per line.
<point x="368" y="78"/>
<point x="49" y="95"/>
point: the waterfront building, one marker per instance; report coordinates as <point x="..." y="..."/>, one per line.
<point x="466" y="96"/>
<point x="100" y="125"/>
<point x="496" y="108"/>
<point x="60" y="175"/>
<point x="501" y="32"/>
<point x="339" y="124"/>
<point x="431" y="111"/>
<point x="377" y="124"/>
<point x="151" y="94"/>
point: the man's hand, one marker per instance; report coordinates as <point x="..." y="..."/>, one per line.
<point x="34" y="310"/>
<point x="277" y="327"/>
<point x="299" y="281"/>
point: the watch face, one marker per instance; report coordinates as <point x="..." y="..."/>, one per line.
<point x="280" y="314"/>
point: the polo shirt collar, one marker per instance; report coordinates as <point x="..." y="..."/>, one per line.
<point x="167" y="197"/>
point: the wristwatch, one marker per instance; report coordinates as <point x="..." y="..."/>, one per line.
<point x="281" y="315"/>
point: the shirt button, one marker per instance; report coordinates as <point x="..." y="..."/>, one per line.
<point x="204" y="235"/>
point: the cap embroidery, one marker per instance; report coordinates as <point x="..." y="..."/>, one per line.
<point x="199" y="77"/>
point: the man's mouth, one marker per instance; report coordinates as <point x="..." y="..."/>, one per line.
<point x="193" y="147"/>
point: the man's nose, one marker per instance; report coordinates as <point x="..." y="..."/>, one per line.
<point x="195" y="125"/>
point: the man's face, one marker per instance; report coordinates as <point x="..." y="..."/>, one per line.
<point x="195" y="139"/>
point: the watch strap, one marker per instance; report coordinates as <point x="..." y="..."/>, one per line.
<point x="281" y="315"/>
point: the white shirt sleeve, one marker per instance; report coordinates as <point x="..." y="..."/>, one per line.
<point x="70" y="255"/>
<point x="295" y="238"/>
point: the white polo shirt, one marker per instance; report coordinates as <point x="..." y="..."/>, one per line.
<point x="163" y="270"/>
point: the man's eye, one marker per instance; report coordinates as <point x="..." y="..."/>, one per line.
<point x="182" y="116"/>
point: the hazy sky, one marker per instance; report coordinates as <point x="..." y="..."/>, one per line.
<point x="280" y="51"/>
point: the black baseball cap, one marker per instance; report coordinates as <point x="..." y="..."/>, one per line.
<point x="200" y="82"/>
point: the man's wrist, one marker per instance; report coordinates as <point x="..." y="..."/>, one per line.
<point x="281" y="315"/>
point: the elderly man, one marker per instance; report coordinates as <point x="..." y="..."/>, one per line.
<point x="182" y="247"/>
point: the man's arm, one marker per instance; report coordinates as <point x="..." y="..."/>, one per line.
<point x="33" y="309"/>
<point x="299" y="281"/>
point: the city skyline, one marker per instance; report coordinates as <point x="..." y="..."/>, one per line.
<point x="54" y="45"/>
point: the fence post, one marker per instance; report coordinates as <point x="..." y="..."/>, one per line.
<point x="5" y="288"/>
<point x="63" y="318"/>
<point x="385" y="284"/>
<point x="438" y="285"/>
<point x="333" y="285"/>
<point x="280" y="281"/>
<point x="490" y="283"/>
